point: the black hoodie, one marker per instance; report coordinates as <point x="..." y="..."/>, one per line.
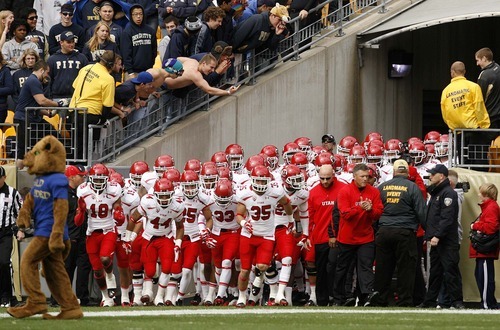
<point x="138" y="46"/>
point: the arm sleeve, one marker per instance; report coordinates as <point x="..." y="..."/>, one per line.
<point x="7" y="86"/>
<point x="348" y="210"/>
<point x="488" y="221"/>
<point x="483" y="119"/>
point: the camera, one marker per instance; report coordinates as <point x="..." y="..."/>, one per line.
<point x="465" y="186"/>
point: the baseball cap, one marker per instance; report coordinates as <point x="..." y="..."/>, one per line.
<point x="2" y="171"/>
<point x="281" y="12"/>
<point x="192" y="23"/>
<point x="439" y="168"/>
<point x="400" y="164"/>
<point x="67" y="8"/>
<point x="328" y="138"/>
<point x="143" y="78"/>
<point x="268" y="3"/>
<point x="174" y="66"/>
<point x="67" y="35"/>
<point x="221" y="48"/>
<point x="73" y="170"/>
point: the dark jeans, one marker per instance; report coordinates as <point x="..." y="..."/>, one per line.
<point x="395" y="247"/>
<point x="5" y="253"/>
<point x="364" y="254"/>
<point x="444" y="267"/>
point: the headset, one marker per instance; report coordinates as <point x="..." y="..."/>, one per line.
<point x="108" y="64"/>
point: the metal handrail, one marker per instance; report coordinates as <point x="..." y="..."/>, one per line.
<point x="171" y="109"/>
<point x="472" y="155"/>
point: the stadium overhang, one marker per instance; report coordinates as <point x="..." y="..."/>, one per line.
<point x="426" y="13"/>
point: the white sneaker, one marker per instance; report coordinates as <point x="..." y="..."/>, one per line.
<point x="108" y="302"/>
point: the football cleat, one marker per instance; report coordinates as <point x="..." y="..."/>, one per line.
<point x="107" y="302"/>
<point x="219" y="301"/>
<point x="168" y="303"/>
<point x="146" y="299"/>
<point x="196" y="300"/>
<point x="251" y="303"/>
<point x="271" y="302"/>
<point x="310" y="303"/>
<point x="126" y="304"/>
<point x="283" y="302"/>
<point x="208" y="303"/>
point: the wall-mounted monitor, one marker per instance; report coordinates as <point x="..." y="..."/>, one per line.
<point x="400" y="64"/>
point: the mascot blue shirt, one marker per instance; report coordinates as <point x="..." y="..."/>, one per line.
<point x="45" y="189"/>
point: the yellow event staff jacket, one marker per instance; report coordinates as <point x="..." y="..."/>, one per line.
<point x="462" y="105"/>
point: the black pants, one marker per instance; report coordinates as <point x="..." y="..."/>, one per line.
<point x="485" y="279"/>
<point x="444" y="267"/>
<point x="78" y="259"/>
<point x="419" y="287"/>
<point x="5" y="253"/>
<point x="322" y="278"/>
<point x="365" y="254"/>
<point x="395" y="247"/>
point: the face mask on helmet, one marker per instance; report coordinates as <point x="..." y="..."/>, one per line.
<point x="235" y="162"/>
<point x="209" y="181"/>
<point x="163" y="198"/>
<point x="223" y="193"/>
<point x="260" y="184"/>
<point x="98" y="182"/>
<point x="190" y="189"/>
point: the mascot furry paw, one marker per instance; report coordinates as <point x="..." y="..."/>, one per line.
<point x="47" y="203"/>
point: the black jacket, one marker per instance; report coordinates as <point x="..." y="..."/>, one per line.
<point x="255" y="32"/>
<point x="442" y="214"/>
<point x="489" y="78"/>
<point x="404" y="205"/>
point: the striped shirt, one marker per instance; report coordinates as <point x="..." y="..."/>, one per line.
<point x="10" y="203"/>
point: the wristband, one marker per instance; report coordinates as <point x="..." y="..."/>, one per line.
<point x="242" y="223"/>
<point x="178" y="242"/>
<point x="133" y="236"/>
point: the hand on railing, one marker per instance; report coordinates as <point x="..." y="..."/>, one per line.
<point x="63" y="102"/>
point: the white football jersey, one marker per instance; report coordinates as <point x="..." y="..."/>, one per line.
<point x="312" y="181"/>
<point x="241" y="178"/>
<point x="100" y="206"/>
<point x="192" y="209"/>
<point x="148" y="180"/>
<point x="261" y="209"/>
<point x="298" y="200"/>
<point x="158" y="220"/>
<point x="224" y="217"/>
<point x="130" y="201"/>
<point x="344" y="177"/>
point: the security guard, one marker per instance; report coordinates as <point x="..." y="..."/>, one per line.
<point x="396" y="239"/>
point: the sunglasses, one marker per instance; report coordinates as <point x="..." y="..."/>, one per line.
<point x="325" y="179"/>
<point x="67" y="14"/>
<point x="32" y="18"/>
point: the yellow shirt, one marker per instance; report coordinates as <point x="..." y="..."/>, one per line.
<point x="462" y="105"/>
<point x="98" y="89"/>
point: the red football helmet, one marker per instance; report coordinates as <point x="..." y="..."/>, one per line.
<point x="441" y="147"/>
<point x="136" y="171"/>
<point x="372" y="137"/>
<point x="193" y="165"/>
<point x="357" y="155"/>
<point x="324" y="158"/>
<point x="393" y="149"/>
<point x="163" y="163"/>
<point x="316" y="150"/>
<point x="292" y="177"/>
<point x="345" y="145"/>
<point x="220" y="159"/>
<point x="349" y="167"/>
<point x="163" y="191"/>
<point x="209" y="175"/>
<point x="432" y="137"/>
<point x="225" y="173"/>
<point x="373" y="171"/>
<point x="234" y="154"/>
<point x="338" y="163"/>
<point x="272" y="156"/>
<point x="253" y="161"/>
<point x="413" y="139"/>
<point x="289" y="150"/>
<point x="375" y="154"/>
<point x="117" y="178"/>
<point x="431" y="151"/>
<point x="190" y="183"/>
<point x="417" y="152"/>
<point x="98" y="177"/>
<point x="223" y="193"/>
<point x="305" y="144"/>
<point x="300" y="159"/>
<point x="173" y="175"/>
<point x="260" y="178"/>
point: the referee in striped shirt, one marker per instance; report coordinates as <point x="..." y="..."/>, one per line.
<point x="10" y="203"/>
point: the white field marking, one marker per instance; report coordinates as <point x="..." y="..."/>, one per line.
<point x="131" y="312"/>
